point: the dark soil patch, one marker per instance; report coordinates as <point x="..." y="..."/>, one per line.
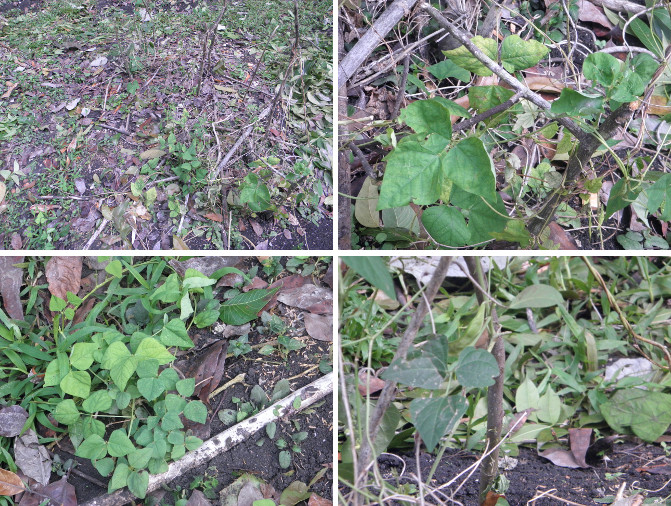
<point x="534" y="475"/>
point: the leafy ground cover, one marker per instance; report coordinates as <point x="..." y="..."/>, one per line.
<point x="114" y="370"/>
<point x="572" y="353"/>
<point x="541" y="124"/>
<point x="111" y="139"/>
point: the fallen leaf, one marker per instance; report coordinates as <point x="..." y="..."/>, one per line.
<point x="369" y="384"/>
<point x="43" y="208"/>
<point x="80" y="185"/>
<point x="587" y="11"/>
<point x="64" y="274"/>
<point x="262" y="245"/>
<point x="249" y="493"/>
<point x="3" y="191"/>
<point x="293" y="220"/>
<point x="178" y="243"/>
<point x="319" y="327"/>
<point x="152" y="153"/>
<point x="491" y="499"/>
<point x="16" y="241"/>
<point x="11" y="279"/>
<point x="12" y="419"/>
<point x="257" y="283"/>
<point x="309" y="298"/>
<point x="83" y="311"/>
<point x="214" y="217"/>
<point x="205" y="265"/>
<point x="208" y="369"/>
<point x="296" y="492"/>
<point x="198" y="499"/>
<point x="316" y="500"/>
<point x="287" y="234"/>
<point x="293" y="281"/>
<point x="60" y="492"/>
<point x="32" y="458"/>
<point x="656" y="469"/>
<point x="579" y="441"/>
<point x="10" y="483"/>
<point x="10" y="87"/>
<point x="559" y="236"/>
<point x="258" y="229"/>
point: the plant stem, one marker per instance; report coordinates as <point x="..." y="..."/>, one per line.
<point x="389" y="390"/>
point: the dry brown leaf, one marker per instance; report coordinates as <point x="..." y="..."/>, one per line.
<point x="257" y="283"/>
<point x="208" y="369"/>
<point x="11" y="279"/>
<point x="258" y="229"/>
<point x="587" y="11"/>
<point x="309" y="298"/>
<point x="214" y="217"/>
<point x="10" y="483"/>
<point x="316" y="500"/>
<point x="293" y="281"/>
<point x="12" y="419"/>
<point x="16" y="241"/>
<point x="370" y="383"/>
<point x="659" y="106"/>
<point x="198" y="499"/>
<point x="64" y="274"/>
<point x="60" y="492"/>
<point x="319" y="327"/>
<point x="559" y="236"/>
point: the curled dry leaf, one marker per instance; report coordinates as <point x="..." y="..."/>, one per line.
<point x="316" y="500"/>
<point x="319" y="327"/>
<point x="64" y="274"/>
<point x="10" y="483"/>
<point x="256" y="284"/>
<point x="293" y="281"/>
<point x="369" y="384"/>
<point x="11" y="278"/>
<point x="209" y="369"/>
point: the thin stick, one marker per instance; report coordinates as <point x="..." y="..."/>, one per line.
<point x="90" y="242"/>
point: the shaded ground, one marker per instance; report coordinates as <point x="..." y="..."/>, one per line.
<point x="100" y="120"/>
<point x="534" y="475"/>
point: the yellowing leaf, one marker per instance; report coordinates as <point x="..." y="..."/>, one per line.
<point x="366" y="204"/>
<point x="178" y="243"/>
<point x="152" y="153"/>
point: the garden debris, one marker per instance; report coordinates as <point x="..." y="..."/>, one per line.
<point x="64" y="274"/>
<point x="205" y="265"/>
<point x="209" y="369"/>
<point x="198" y="499"/>
<point x="245" y="490"/>
<point x="10" y="483"/>
<point x="60" y="492"/>
<point x="32" y="458"/>
<point x="11" y="279"/>
<point x="308" y="297"/>
<point x="319" y="327"/>
<point x="12" y="419"/>
<point x="579" y="442"/>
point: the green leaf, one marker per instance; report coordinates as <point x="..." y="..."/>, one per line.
<point x="56" y="304"/>
<point x="174" y="334"/>
<point x="151" y="348"/>
<point x="119" y="478"/>
<point x="647" y="414"/>
<point x="208" y="315"/>
<point x="365" y="206"/>
<point x="150" y="388"/>
<point x="374" y="270"/>
<point x="147" y="368"/>
<point x="484" y="218"/>
<point x="120" y="363"/>
<point x="195" y="279"/>
<point x="602" y="68"/>
<point x="114" y="268"/>
<point x="476" y="368"/>
<point x="169" y="377"/>
<point x="196" y="411"/>
<point x="285" y="459"/>
<point x="468" y="164"/>
<point x="418" y="372"/>
<point x="519" y="54"/>
<point x="572" y="103"/>
<point x="659" y="197"/>
<point x="526" y="396"/>
<point x="427" y="117"/>
<point x="446" y="68"/>
<point x="81" y="356"/>
<point x="515" y="231"/>
<point x="186" y="387"/>
<point x="168" y="292"/>
<point x="435" y="417"/>
<point x="623" y="193"/>
<point x="171" y="421"/>
<point x="483" y="98"/>
<point x="119" y="444"/>
<point x="243" y="308"/>
<point x="122" y="400"/>
<point x="446" y="225"/>
<point x="193" y="443"/>
<point x="645" y="34"/>
<point x="413" y="174"/>
<point x="271" y="429"/>
<point x="77" y="384"/>
<point x="139" y="459"/>
<point x="549" y="407"/>
<point x="104" y="466"/>
<point x="138" y="481"/>
<point x="99" y="400"/>
<point x="254" y="193"/>
<point x="66" y="412"/>
<point x="465" y="59"/>
<point x="537" y="296"/>
<point x="93" y="447"/>
<point x="629" y="89"/>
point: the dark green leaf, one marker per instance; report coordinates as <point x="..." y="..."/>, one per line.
<point x="476" y="368"/>
<point x="434" y="417"/>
